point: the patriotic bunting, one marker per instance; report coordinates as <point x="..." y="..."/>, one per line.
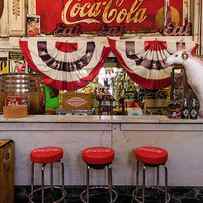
<point x="144" y="61"/>
<point x="65" y="63"/>
<point x="72" y="63"/>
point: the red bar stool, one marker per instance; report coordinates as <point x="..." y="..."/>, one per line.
<point x="98" y="158"/>
<point x="149" y="156"/>
<point x="44" y="156"/>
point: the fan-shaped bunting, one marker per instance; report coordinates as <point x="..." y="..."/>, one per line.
<point x="144" y="61"/>
<point x="69" y="63"/>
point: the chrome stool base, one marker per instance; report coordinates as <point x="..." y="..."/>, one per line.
<point x="141" y="198"/>
<point x="83" y="195"/>
<point x="159" y="191"/>
<point x="109" y="187"/>
<point x="52" y="189"/>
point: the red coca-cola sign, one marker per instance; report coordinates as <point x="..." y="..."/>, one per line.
<point x="91" y="15"/>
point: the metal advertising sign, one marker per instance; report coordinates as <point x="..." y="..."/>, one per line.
<point x="92" y="15"/>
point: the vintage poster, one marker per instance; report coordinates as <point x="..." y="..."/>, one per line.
<point x="16" y="62"/>
<point x="91" y="15"/>
<point x="16" y="17"/>
<point x="31" y="7"/>
<point x="4" y="66"/>
<point x="33" y="25"/>
<point x="197" y="24"/>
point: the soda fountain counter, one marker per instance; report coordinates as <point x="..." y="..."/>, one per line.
<point x="182" y="138"/>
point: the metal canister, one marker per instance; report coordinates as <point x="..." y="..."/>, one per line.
<point x="22" y="89"/>
<point x="16" y="88"/>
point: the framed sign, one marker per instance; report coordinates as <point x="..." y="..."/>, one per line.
<point x="91" y="15"/>
<point x="33" y="25"/>
<point x="4" y="66"/>
<point x="16" y="17"/>
<point x="4" y="18"/>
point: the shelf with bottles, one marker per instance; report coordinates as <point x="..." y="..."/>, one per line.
<point x="184" y="103"/>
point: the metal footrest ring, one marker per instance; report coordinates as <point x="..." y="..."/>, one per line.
<point x="84" y="193"/>
<point x="53" y="189"/>
<point x="137" y="194"/>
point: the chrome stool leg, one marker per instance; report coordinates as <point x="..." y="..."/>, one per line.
<point x="42" y="179"/>
<point x="137" y="176"/>
<point x="51" y="176"/>
<point x="143" y="183"/>
<point x="62" y="179"/>
<point x="32" y="177"/>
<point x="62" y="175"/>
<point x="135" y="191"/>
<point x="166" y="183"/>
<point x="88" y="182"/>
<point x="157" y="176"/>
<point x="110" y="182"/>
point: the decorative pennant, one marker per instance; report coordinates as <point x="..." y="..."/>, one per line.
<point x="65" y="63"/>
<point x="72" y="63"/>
<point x="144" y="61"/>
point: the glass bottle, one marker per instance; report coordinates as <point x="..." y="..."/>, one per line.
<point x="185" y="110"/>
<point x="194" y="109"/>
<point x="174" y="107"/>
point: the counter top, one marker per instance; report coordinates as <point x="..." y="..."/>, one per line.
<point x="98" y="119"/>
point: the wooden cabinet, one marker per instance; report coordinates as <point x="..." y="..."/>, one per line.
<point x="6" y="171"/>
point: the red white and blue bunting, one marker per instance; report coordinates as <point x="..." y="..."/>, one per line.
<point x="72" y="63"/>
<point x="144" y="61"/>
<point x="68" y="63"/>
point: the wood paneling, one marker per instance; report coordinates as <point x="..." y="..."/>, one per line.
<point x="4" y="20"/>
<point x="6" y="171"/>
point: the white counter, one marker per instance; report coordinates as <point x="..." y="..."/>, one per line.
<point x="97" y="119"/>
<point x="182" y="138"/>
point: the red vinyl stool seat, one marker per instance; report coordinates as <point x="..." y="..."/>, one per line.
<point x="98" y="158"/>
<point x="46" y="155"/>
<point x="151" y="155"/>
<point x="98" y="155"/>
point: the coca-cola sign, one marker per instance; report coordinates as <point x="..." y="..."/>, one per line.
<point x="92" y="15"/>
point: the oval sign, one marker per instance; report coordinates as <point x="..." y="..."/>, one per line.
<point x="76" y="101"/>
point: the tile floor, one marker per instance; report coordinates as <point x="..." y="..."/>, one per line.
<point x="178" y="195"/>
